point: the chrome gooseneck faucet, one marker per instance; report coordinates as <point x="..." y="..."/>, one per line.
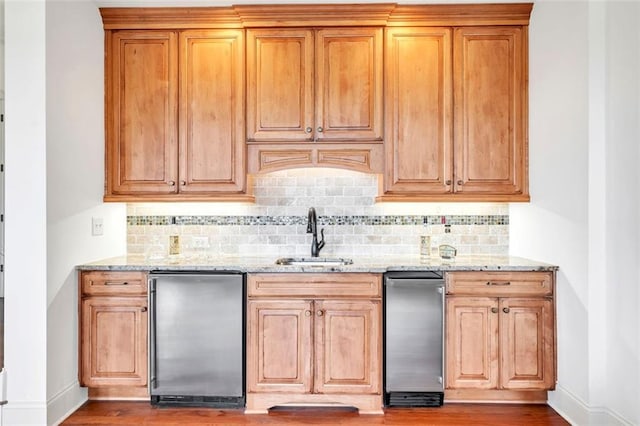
<point x="312" y="228"/>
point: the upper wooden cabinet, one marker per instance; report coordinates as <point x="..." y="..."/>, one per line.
<point x="490" y="136"/>
<point x="211" y="115"/>
<point x="141" y="112"/>
<point x="456" y="121"/>
<point x="314" y="98"/>
<point x="431" y="97"/>
<point x="314" y="85"/>
<point x="418" y="97"/>
<point x="175" y="114"/>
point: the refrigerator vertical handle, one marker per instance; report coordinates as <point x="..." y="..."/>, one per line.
<point x="152" y="334"/>
<point x="444" y="334"/>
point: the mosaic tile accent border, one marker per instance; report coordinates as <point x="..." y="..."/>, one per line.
<point x="322" y="220"/>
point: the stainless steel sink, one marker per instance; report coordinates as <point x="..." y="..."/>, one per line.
<point x="313" y="261"/>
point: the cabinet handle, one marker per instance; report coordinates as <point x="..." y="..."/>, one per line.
<point x="498" y="282"/>
<point x="144" y="309"/>
<point x="308" y="130"/>
<point x="320" y="129"/>
<point x="505" y="310"/>
<point x="171" y="183"/>
<point x="182" y="183"/>
<point x="494" y="310"/>
<point x="116" y="283"/>
<point x="448" y="182"/>
<point x="307" y="313"/>
<point x="320" y="313"/>
<point x="460" y="182"/>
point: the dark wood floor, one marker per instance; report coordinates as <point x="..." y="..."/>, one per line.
<point x="142" y="413"/>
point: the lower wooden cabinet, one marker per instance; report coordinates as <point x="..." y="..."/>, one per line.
<point x="500" y="334"/>
<point x="320" y="345"/>
<point x="113" y="333"/>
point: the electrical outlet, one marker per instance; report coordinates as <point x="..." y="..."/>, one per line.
<point x="97" y="226"/>
<point x="200" y="242"/>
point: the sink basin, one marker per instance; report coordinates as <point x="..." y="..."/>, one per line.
<point x="313" y="261"/>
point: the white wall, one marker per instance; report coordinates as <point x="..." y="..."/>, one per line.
<point x="54" y="184"/>
<point x="25" y="196"/>
<point x="622" y="203"/>
<point x="584" y="151"/>
<point x="75" y="182"/>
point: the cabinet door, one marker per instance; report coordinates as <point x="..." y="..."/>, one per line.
<point x="349" y="84"/>
<point x="490" y="87"/>
<point x="348" y="347"/>
<point x="279" y="346"/>
<point x="141" y="112"/>
<point x="114" y="341"/>
<point x="527" y="350"/>
<point x="419" y="96"/>
<point x="472" y="343"/>
<point x="212" y="154"/>
<point x="280" y="85"/>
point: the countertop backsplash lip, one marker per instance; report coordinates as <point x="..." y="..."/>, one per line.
<point x="266" y="264"/>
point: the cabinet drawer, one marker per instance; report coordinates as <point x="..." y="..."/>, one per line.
<point x="315" y="285"/>
<point x="500" y="283"/>
<point x="110" y="283"/>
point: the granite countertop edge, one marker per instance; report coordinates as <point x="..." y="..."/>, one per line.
<point x="363" y="265"/>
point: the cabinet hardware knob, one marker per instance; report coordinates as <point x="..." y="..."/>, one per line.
<point x="505" y="310"/>
<point x="320" y="313"/>
<point x="308" y="130"/>
<point x="494" y="310"/>
<point x="307" y="313"/>
<point x="498" y="282"/>
<point x="171" y="183"/>
<point x="144" y="309"/>
<point x="183" y="183"/>
<point x="460" y="182"/>
<point x="448" y="182"/>
<point x="320" y="129"/>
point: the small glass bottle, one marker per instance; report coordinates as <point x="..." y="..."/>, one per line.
<point x="425" y="246"/>
<point x="425" y="241"/>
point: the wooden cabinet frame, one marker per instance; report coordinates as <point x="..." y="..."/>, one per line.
<point x="479" y="151"/>
<point x="174" y="114"/>
<point x="314" y="98"/>
<point x="500" y="336"/>
<point x="314" y="339"/>
<point x="112" y="334"/>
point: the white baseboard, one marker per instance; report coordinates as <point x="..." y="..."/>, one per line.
<point x="65" y="402"/>
<point x="24" y="413"/>
<point x="576" y="412"/>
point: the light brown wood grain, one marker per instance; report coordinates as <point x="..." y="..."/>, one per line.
<point x="314" y="339"/>
<point x="212" y="149"/>
<point x="419" y="102"/>
<point x="490" y="101"/>
<point x="500" y="332"/>
<point x="128" y="413"/>
<point x="114" y="341"/>
<point x="141" y="112"/>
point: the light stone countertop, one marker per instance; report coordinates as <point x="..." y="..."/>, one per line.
<point x="367" y="264"/>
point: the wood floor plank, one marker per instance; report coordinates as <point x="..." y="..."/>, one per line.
<point x="143" y="414"/>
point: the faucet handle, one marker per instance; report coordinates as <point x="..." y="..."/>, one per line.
<point x="321" y="242"/>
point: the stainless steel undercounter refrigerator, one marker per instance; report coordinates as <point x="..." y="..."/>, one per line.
<point x="196" y="329"/>
<point x="413" y="336"/>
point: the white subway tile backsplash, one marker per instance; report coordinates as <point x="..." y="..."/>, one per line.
<point x="355" y="225"/>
